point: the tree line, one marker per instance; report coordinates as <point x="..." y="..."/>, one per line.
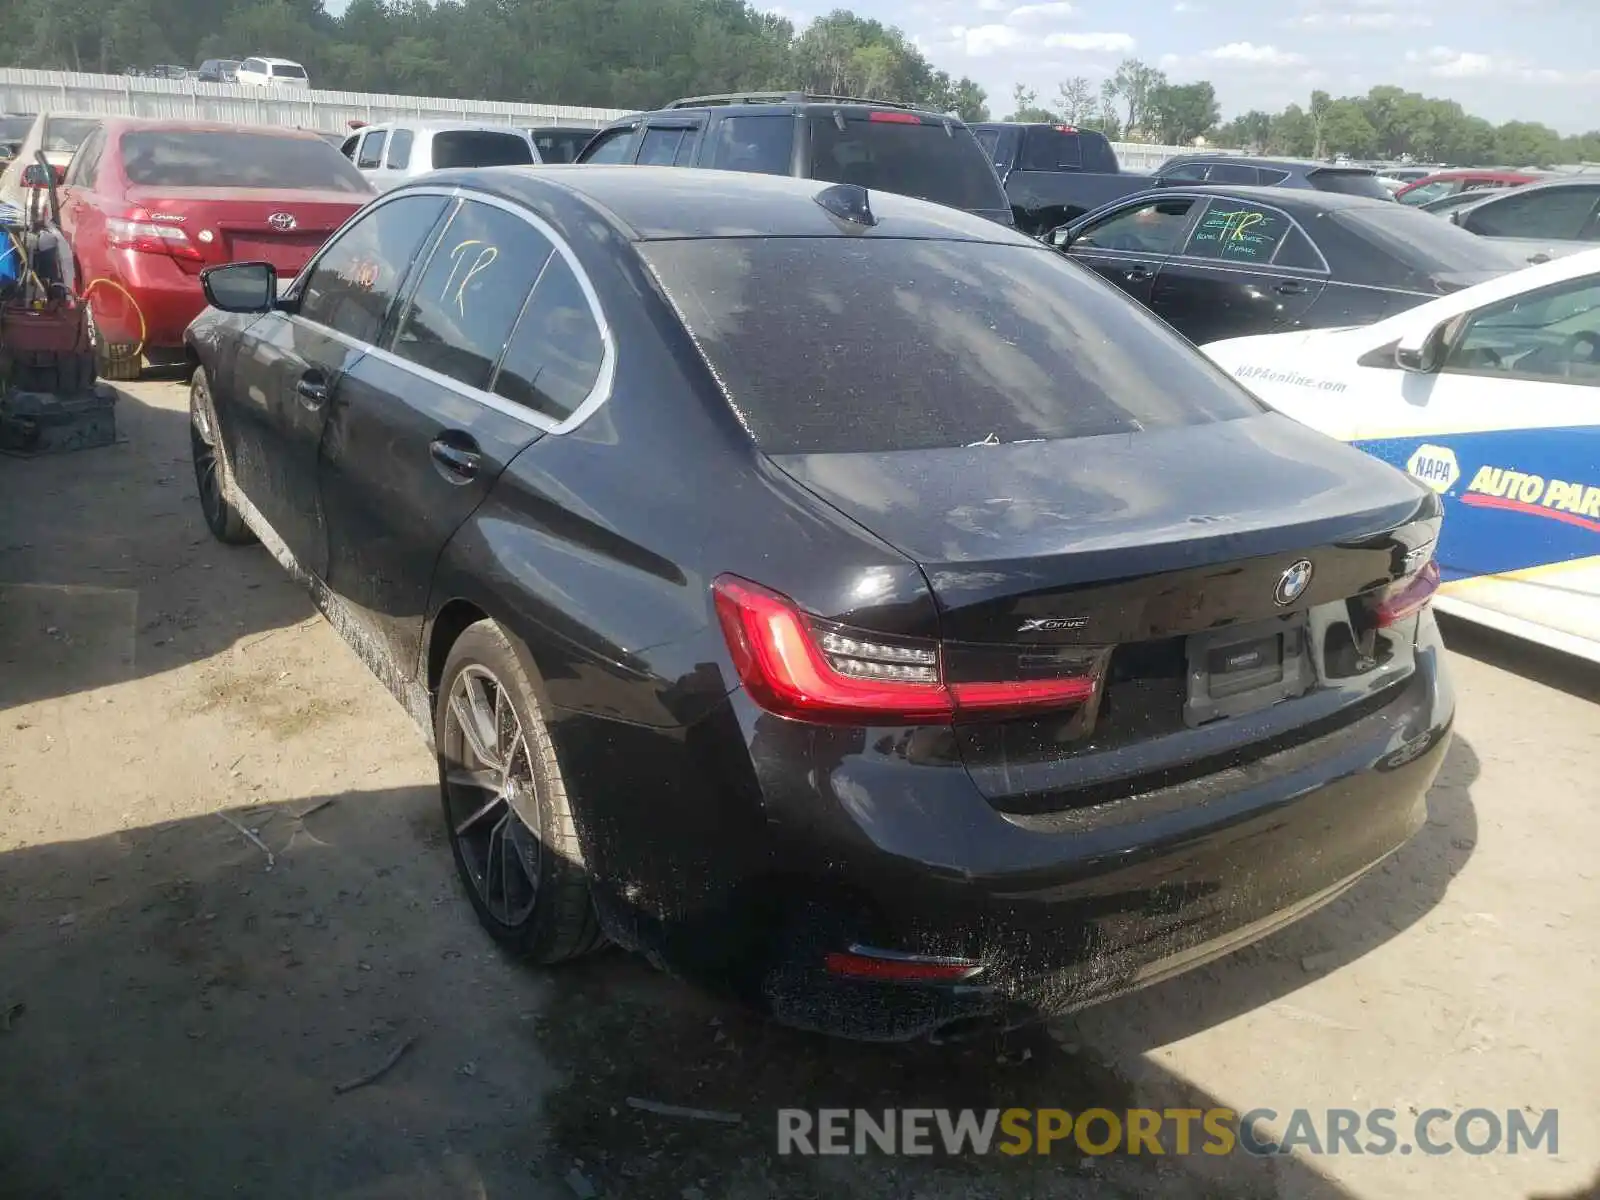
<point x="628" y="54"/>
<point x="1138" y="103"/>
<point x="638" y="54"/>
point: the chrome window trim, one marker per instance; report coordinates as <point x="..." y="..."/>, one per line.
<point x="605" y="379"/>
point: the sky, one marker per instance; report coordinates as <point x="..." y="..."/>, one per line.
<point x="1504" y="60"/>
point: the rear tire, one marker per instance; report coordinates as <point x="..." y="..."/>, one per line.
<point x="210" y="468"/>
<point x="507" y="814"/>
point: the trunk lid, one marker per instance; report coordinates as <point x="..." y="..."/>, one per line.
<point x="282" y="227"/>
<point x="1140" y="535"/>
<point x="1162" y="558"/>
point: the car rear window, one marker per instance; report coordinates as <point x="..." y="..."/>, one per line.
<point x="66" y="133"/>
<point x="1349" y="183"/>
<point x="14" y="129"/>
<point x="560" y="145"/>
<point x="1064" y="148"/>
<point x="1422" y="241"/>
<point x="479" y="148"/>
<point x="236" y="159"/>
<point x="890" y="153"/>
<point x="873" y="344"/>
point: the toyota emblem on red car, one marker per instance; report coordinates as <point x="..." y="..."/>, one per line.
<point x="281" y="221"/>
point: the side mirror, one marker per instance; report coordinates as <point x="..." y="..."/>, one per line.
<point x="1421" y="350"/>
<point x="250" y="287"/>
<point x="37" y="175"/>
<point x="1058" y="238"/>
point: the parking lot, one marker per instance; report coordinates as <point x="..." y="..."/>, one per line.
<point x="225" y="894"/>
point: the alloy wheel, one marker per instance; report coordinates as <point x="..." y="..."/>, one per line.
<point x="203" y="444"/>
<point x="490" y="795"/>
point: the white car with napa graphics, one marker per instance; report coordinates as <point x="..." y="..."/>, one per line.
<point x="1491" y="397"/>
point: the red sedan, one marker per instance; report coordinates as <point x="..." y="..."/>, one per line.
<point x="147" y="205"/>
<point x="1448" y="183"/>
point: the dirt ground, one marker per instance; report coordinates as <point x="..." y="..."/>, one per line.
<point x="192" y="994"/>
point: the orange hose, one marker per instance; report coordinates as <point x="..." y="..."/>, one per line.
<point x="144" y="330"/>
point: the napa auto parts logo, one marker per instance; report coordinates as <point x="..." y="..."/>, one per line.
<point x="1564" y="500"/>
<point x="1435" y="466"/>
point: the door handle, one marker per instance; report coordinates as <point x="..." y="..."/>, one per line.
<point x="1290" y="288"/>
<point x="1137" y="274"/>
<point x="312" y="391"/>
<point x="458" y="464"/>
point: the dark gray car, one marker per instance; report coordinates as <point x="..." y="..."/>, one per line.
<point x="1548" y="220"/>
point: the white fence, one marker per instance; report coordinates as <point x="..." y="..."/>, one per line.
<point x="1140" y="156"/>
<point x="186" y="99"/>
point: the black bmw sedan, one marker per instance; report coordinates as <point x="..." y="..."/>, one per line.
<point x="1226" y="262"/>
<point x="844" y="600"/>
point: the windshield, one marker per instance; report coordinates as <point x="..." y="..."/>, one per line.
<point x="14" y="129"/>
<point x="897" y="152"/>
<point x="67" y="133"/>
<point x="873" y="344"/>
<point x="479" y="148"/>
<point x="235" y="159"/>
<point x="1350" y="183"/>
<point x="1423" y="242"/>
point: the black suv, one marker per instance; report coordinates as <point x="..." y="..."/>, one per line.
<point x="877" y="144"/>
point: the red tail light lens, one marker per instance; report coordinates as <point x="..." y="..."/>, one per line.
<point x="1406" y="597"/>
<point x="896" y="118"/>
<point x="798" y="666"/>
<point x="136" y="231"/>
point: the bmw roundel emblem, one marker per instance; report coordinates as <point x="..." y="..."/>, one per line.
<point x="1292" y="583"/>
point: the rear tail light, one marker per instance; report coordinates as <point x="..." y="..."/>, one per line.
<point x="888" y="966"/>
<point x="896" y="118"/>
<point x="1406" y="597"/>
<point x="138" y="232"/>
<point x="799" y="666"/>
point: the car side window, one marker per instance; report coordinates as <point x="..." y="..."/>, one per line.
<point x="461" y="313"/>
<point x="1232" y="173"/>
<point x="85" y="166"/>
<point x="1234" y="231"/>
<point x="611" y="146"/>
<point x="762" y="145"/>
<point x="556" y="350"/>
<point x="255" y="66"/>
<point x="1560" y="214"/>
<point x="1297" y="251"/>
<point x="354" y="284"/>
<point x="348" y="149"/>
<point x="1154" y="227"/>
<point x="660" y="146"/>
<point x="371" y="155"/>
<point x="1550" y="336"/>
<point x="400" y="149"/>
<point x="1185" y="173"/>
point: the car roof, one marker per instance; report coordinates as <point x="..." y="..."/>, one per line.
<point x="660" y="203"/>
<point x="119" y="124"/>
<point x="439" y="124"/>
<point x="787" y="102"/>
<point x="1478" y="173"/>
<point x="1256" y="160"/>
<point x="274" y="62"/>
<point x="1276" y="197"/>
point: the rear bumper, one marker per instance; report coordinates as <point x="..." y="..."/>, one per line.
<point x="147" y="298"/>
<point x="852" y="837"/>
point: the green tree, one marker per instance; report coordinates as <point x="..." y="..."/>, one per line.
<point x="1135" y="82"/>
<point x="1076" y="99"/>
<point x="968" y="101"/>
<point x="1183" y="112"/>
<point x="1025" y="106"/>
<point x="1346" y="130"/>
<point x="1527" y="144"/>
<point x="1292" y="132"/>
